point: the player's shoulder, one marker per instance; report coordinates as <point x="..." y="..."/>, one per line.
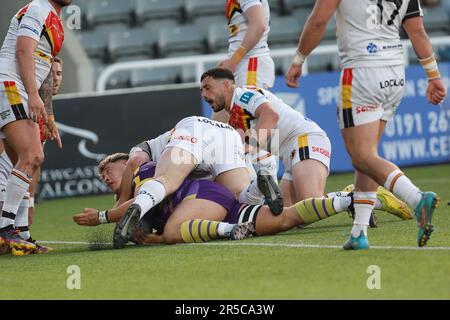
<point x="38" y="9"/>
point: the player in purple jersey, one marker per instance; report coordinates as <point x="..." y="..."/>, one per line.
<point x="203" y="210"/>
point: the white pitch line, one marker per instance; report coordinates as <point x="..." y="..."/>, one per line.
<point x="268" y="244"/>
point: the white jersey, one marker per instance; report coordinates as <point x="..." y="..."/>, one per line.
<point x="238" y="25"/>
<point x="40" y="21"/>
<point x="291" y="123"/>
<point x="368" y="31"/>
<point x="158" y="144"/>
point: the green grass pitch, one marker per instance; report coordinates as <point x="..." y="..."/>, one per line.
<point x="272" y="267"/>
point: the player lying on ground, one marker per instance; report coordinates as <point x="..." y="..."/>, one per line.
<point x="199" y="146"/>
<point x="202" y="210"/>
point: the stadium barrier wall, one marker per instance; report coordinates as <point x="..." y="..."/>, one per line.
<point x="94" y="126"/>
<point x="418" y="135"/>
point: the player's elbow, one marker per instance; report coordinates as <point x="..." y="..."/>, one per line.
<point x="318" y="22"/>
<point x="271" y="116"/>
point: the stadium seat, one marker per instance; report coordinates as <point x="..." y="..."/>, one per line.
<point x="95" y="42"/>
<point x="282" y="64"/>
<point x="203" y="22"/>
<point x="436" y="18"/>
<point x="117" y="80"/>
<point x="154" y="76"/>
<point x="217" y="38"/>
<point x="290" y="5"/>
<point x="130" y="42"/>
<point x="284" y="31"/>
<point x="194" y="8"/>
<point x="108" y="11"/>
<point x="153" y="26"/>
<point x="180" y="38"/>
<point x="133" y="58"/>
<point x="301" y="15"/>
<point x="157" y="9"/>
<point x="275" y="6"/>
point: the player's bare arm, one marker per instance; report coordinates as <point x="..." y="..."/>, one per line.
<point x="256" y="29"/>
<point x="46" y="94"/>
<point x="267" y="121"/>
<point x="93" y="217"/>
<point x="25" y="49"/>
<point x="310" y="38"/>
<point x="436" y="90"/>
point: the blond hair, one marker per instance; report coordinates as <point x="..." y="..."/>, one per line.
<point x="111" y="159"/>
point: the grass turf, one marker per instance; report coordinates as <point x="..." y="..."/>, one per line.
<point x="232" y="270"/>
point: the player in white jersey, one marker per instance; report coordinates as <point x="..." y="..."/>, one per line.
<point x="34" y="38"/>
<point x="196" y="145"/>
<point x="249" y="54"/>
<point x="371" y="90"/>
<point x="303" y="146"/>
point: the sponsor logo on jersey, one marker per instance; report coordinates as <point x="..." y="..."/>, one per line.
<point x="215" y="123"/>
<point x="362" y="109"/>
<point x="372" y="48"/>
<point x="190" y="139"/>
<point x="245" y="98"/>
<point x="392" y="83"/>
<point x="25" y="26"/>
<point x="323" y="151"/>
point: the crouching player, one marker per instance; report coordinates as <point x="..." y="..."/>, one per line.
<point x="202" y="210"/>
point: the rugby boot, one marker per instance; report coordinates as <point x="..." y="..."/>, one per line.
<point x="242" y="230"/>
<point x="271" y="191"/>
<point x="12" y="239"/>
<point x="40" y="249"/>
<point x="357" y="243"/>
<point x="393" y="205"/>
<point x="424" y="214"/>
<point x="124" y="229"/>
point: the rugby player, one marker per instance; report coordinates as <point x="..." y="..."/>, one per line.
<point x="249" y="55"/>
<point x="202" y="210"/>
<point x="371" y="53"/>
<point x="304" y="147"/>
<point x="34" y="38"/>
<point x="199" y="146"/>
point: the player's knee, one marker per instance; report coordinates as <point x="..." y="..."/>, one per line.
<point x="32" y="158"/>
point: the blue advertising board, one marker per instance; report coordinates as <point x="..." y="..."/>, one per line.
<point x="418" y="135"/>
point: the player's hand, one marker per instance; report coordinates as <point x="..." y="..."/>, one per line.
<point x="89" y="217"/>
<point x="51" y="131"/>
<point x="293" y="75"/>
<point x="436" y="91"/>
<point x="227" y="64"/>
<point x="36" y="108"/>
<point x="138" y="236"/>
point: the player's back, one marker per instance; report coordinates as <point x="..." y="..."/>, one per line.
<point x="368" y="31"/>
<point x="238" y="24"/>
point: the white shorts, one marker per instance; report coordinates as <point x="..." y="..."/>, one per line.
<point x="258" y="71"/>
<point x="13" y="104"/>
<point x="303" y="147"/>
<point x="216" y="146"/>
<point x="369" y="94"/>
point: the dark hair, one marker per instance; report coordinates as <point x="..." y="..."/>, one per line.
<point x="110" y="159"/>
<point x="58" y="60"/>
<point x="218" y="73"/>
